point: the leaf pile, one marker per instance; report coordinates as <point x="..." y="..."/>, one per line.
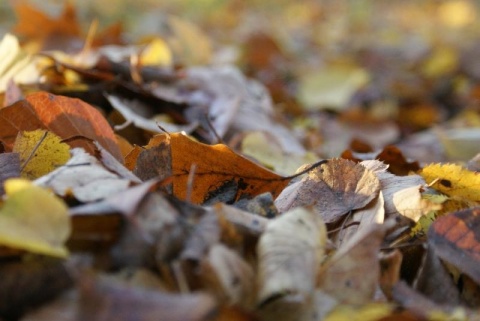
<point x="145" y="181"/>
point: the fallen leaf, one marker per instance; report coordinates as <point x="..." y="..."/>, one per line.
<point x="216" y="171"/>
<point x="410" y="203"/>
<point x="60" y="32"/>
<point x="289" y="253"/>
<point x="433" y="272"/>
<point x="133" y="112"/>
<point x="453" y="180"/>
<point x="190" y="46"/>
<point x="453" y="238"/>
<point x="331" y="87"/>
<point x="40" y="152"/>
<point x="334" y="189"/>
<point x="9" y="168"/>
<point x="84" y="177"/>
<point x="156" y="53"/>
<point x="229" y="276"/>
<point x="76" y="122"/>
<point x="373" y="213"/>
<point x="265" y="148"/>
<point x="16" y="65"/>
<point x="102" y="299"/>
<point x="33" y="219"/>
<point x="368" y="312"/>
<point x="352" y="274"/>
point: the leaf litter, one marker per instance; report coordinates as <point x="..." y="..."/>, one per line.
<point x="165" y="183"/>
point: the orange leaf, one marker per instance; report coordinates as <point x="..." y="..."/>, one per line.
<point x="455" y="239"/>
<point x="218" y="173"/>
<point x="75" y="121"/>
<point x="34" y="24"/>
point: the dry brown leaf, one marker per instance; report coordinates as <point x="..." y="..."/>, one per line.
<point x="334" y="189"/>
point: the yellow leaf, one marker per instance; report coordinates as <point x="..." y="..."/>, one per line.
<point x="33" y="219"/>
<point x="453" y="180"/>
<point x="40" y="152"/>
<point x="442" y="61"/>
<point x="267" y="150"/>
<point x="371" y="311"/>
<point x="157" y="53"/>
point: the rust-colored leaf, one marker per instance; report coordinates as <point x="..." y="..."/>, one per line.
<point x="456" y="239"/>
<point x="73" y="120"/>
<point x="215" y="172"/>
<point x="34" y="24"/>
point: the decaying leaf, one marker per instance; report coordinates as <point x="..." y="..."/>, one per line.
<point x="33" y="219"/>
<point x="40" y="152"/>
<point x="289" y="253"/>
<point x="334" y="189"/>
<point x="84" y="177"/>
<point x="453" y="180"/>
<point x="76" y="122"/>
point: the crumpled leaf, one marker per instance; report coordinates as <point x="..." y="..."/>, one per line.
<point x="40" y="152"/>
<point x="334" y="189"/>
<point x="33" y="219"/>
<point x="71" y="119"/>
<point x="290" y="251"/>
<point x="453" y="180"/>
<point x="85" y="178"/>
